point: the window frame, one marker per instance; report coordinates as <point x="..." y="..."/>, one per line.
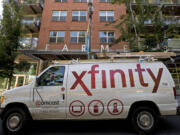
<point x="78" y="37"/>
<point x="107" y="36"/>
<point x="80" y="1"/>
<point x="59" y="15"/>
<point x="105" y="1"/>
<point x="79" y="16"/>
<point x="106" y="16"/>
<point x="61" y="0"/>
<point x="56" y="37"/>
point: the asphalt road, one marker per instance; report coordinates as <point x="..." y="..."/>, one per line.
<point x="167" y="126"/>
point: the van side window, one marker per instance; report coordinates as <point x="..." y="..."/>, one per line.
<point x="52" y="77"/>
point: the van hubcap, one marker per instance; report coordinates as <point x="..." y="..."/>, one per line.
<point x="13" y="121"/>
<point x="145" y="120"/>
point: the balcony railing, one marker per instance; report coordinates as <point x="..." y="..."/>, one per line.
<point x="174" y="69"/>
<point x="156" y="1"/>
<point x="167" y="21"/>
<point x="172" y="20"/>
<point x="31" y="1"/>
<point x="32" y="6"/>
<point x="28" y="43"/>
<point x="169" y="7"/>
<point x="32" y="24"/>
<point x="174" y="44"/>
<point x="171" y="44"/>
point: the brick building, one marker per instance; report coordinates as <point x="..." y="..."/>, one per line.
<point x="64" y="27"/>
<point x="58" y="28"/>
<point x="70" y="20"/>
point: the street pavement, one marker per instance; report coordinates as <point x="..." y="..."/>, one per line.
<point x="168" y="126"/>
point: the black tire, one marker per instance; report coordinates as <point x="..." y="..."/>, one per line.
<point x="16" y="116"/>
<point x="144" y="120"/>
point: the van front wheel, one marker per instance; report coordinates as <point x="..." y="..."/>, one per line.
<point x="144" y="120"/>
<point x="14" y="121"/>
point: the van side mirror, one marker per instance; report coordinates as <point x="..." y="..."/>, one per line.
<point x="60" y="80"/>
<point x="36" y="82"/>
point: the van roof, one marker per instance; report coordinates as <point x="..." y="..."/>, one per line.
<point x="74" y="62"/>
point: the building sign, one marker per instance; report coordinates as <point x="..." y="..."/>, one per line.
<point x="85" y="48"/>
<point x="65" y="48"/>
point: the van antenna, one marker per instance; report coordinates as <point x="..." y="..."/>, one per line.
<point x="75" y="61"/>
<point x="111" y="59"/>
<point x="172" y="60"/>
<point x="148" y="58"/>
<point x="153" y="59"/>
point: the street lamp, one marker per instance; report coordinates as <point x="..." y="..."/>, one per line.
<point x="90" y="12"/>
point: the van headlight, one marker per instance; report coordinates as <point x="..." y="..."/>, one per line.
<point x="2" y="99"/>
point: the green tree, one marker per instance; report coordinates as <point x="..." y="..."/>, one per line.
<point x="23" y="66"/>
<point x="134" y="26"/>
<point x="10" y="32"/>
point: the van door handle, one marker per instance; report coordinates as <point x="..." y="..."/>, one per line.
<point x="63" y="96"/>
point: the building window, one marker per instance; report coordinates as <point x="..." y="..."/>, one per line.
<point x="106" y="16"/>
<point x="78" y="36"/>
<point x="105" y="0"/>
<point x="59" y="15"/>
<point x="106" y="37"/>
<point x="28" y="42"/>
<point x="28" y="20"/>
<point x="148" y="22"/>
<point x="56" y="37"/>
<point x="78" y="15"/>
<point x="80" y="0"/>
<point x="61" y="0"/>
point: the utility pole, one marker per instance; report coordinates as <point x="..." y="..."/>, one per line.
<point x="90" y="12"/>
<point x="133" y="18"/>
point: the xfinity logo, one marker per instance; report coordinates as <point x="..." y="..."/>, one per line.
<point x="94" y="70"/>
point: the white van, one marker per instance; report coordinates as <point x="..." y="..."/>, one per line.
<point x="93" y="91"/>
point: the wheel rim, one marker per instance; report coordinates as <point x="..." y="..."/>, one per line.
<point x="145" y="120"/>
<point x="14" y="122"/>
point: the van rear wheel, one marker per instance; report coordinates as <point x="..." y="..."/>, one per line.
<point x="14" y="121"/>
<point x="144" y="120"/>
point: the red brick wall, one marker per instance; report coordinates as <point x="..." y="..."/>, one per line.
<point x="48" y="25"/>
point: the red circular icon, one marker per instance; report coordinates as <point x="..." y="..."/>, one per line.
<point x="115" y="107"/>
<point x="77" y="108"/>
<point x="96" y="108"/>
<point x="62" y="89"/>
